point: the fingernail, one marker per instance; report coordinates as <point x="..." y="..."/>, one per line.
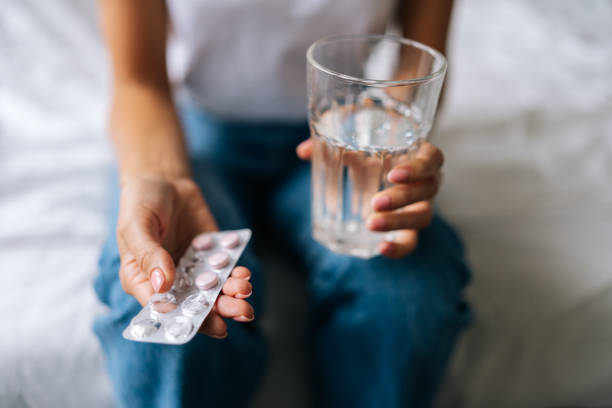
<point x="384" y="247"/>
<point x="381" y="203"/>
<point x="398" y="175"/>
<point x="157" y="280"/>
<point x="376" y="223"/>
<point x="220" y="337"/>
<point x="243" y="296"/>
<point x="245" y="318"/>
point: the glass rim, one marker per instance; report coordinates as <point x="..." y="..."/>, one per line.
<point x="379" y="82"/>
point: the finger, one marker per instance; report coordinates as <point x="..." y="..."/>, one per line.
<point x="415" y="216"/>
<point x="401" y="195"/>
<point x="241" y="272"/>
<point x="141" y="237"/>
<point x="230" y="307"/>
<point x="404" y="243"/>
<point x="214" y="326"/>
<point x="239" y="288"/>
<point x="133" y="281"/>
<point x="426" y="164"/>
<point x="304" y="149"/>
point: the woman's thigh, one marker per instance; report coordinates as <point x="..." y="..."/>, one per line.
<point x="403" y="314"/>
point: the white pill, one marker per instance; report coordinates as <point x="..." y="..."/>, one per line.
<point x="218" y="260"/>
<point x="230" y="240"/>
<point x="206" y="280"/>
<point x="202" y="242"/>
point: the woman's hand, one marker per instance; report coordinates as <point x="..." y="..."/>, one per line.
<point x="405" y="207"/>
<point x="158" y="218"/>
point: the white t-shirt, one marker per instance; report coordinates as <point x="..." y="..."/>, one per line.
<point x="246" y="59"/>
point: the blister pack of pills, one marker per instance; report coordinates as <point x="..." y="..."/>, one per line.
<point x="175" y="316"/>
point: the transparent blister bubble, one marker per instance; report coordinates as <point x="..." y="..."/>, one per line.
<point x="200" y="256"/>
<point x="195" y="304"/>
<point x="189" y="269"/>
<point x="186" y="265"/>
<point x="182" y="282"/>
<point x="144" y="327"/>
<point x="178" y="328"/>
<point x="162" y="303"/>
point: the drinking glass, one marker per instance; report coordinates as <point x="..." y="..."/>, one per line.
<point x="371" y="102"/>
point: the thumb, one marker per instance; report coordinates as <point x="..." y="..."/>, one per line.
<point x="158" y="265"/>
<point x="304" y="149"/>
<point x="144" y="242"/>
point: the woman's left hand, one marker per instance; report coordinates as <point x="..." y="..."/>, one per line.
<point x="406" y="206"/>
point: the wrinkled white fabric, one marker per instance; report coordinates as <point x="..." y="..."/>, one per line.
<point x="527" y="132"/>
<point x="54" y="161"/>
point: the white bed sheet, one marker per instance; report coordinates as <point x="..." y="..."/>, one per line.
<point x="527" y="133"/>
<point x="54" y="161"/>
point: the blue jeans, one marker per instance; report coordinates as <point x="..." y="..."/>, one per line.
<point x="382" y="329"/>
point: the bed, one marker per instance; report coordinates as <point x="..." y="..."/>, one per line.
<point x="527" y="132"/>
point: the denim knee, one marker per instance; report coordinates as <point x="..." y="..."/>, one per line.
<point x="401" y="298"/>
<point x="386" y="323"/>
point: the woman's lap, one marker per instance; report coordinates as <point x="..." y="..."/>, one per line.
<point x="382" y="329"/>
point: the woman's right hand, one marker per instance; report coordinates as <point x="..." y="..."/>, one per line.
<point x="158" y="218"/>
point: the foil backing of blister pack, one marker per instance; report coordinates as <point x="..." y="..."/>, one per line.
<point x="174" y="317"/>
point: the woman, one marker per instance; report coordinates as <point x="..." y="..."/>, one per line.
<point x="382" y="328"/>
